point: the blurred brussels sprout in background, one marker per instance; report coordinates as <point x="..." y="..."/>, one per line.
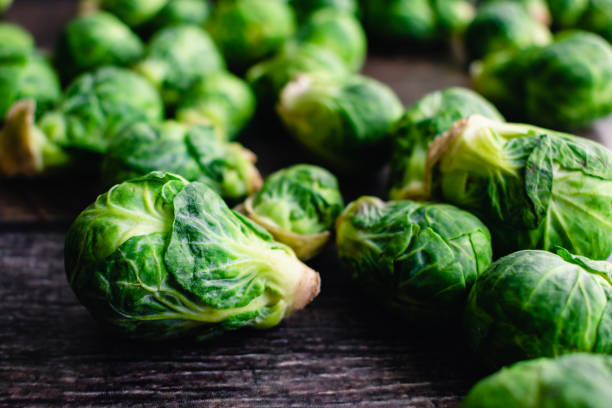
<point x="577" y="380"/>
<point x="157" y="258"/>
<point x="417" y="259"/>
<point x="537" y="9"/>
<point x="303" y="8"/>
<point x="344" y="122"/>
<point x="178" y="56"/>
<point x="536" y="188"/>
<point x="452" y="16"/>
<point x="248" y="31"/>
<point x="269" y="77"/>
<point x="133" y="12"/>
<point x="298" y="206"/>
<point x="567" y="13"/>
<point x="338" y="32"/>
<point x="598" y="18"/>
<point x="93" y="110"/>
<point x="563" y="85"/>
<point x="14" y="41"/>
<point x="95" y="40"/>
<point x="195" y="153"/>
<point x="32" y="78"/>
<point x="221" y="99"/>
<point x="424" y="121"/>
<point x="503" y="25"/>
<point x="399" y="20"/>
<point x="177" y="12"/>
<point x="5" y="4"/>
<point x="540" y="304"/>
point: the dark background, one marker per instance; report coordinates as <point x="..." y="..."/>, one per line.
<point x="340" y="351"/>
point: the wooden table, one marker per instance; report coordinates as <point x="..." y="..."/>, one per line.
<point x="340" y="351"/>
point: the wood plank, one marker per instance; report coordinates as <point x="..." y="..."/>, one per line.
<point x="340" y="350"/>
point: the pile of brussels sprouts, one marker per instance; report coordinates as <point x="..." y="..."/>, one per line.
<point x="501" y="228"/>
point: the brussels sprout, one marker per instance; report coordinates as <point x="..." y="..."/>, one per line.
<point x="29" y="78"/>
<point x="93" y="110"/>
<point x="567" y="13"/>
<point x="5" y="4"/>
<point x="303" y="8"/>
<point x="424" y="121"/>
<point x="177" y="12"/>
<point x="93" y="41"/>
<point x="503" y="25"/>
<point x="536" y="188"/>
<point x="577" y="380"/>
<point x="177" y="57"/>
<point x="15" y="42"/>
<point x="158" y="257"/>
<point x="269" y="77"/>
<point x="338" y="32"/>
<point x="417" y="259"/>
<point x="598" y="18"/>
<point x="400" y="20"/>
<point x="563" y="85"/>
<point x="196" y="153"/>
<point x="540" y="304"/>
<point x="221" y="99"/>
<point x="537" y="9"/>
<point x="133" y="12"/>
<point x="344" y="122"/>
<point x="298" y="206"/>
<point x="453" y="16"/>
<point x="248" y="31"/>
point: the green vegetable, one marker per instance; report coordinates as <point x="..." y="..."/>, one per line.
<point x="424" y="121"/>
<point x="536" y="188"/>
<point x="158" y="257"/>
<point x="537" y="9"/>
<point x="195" y="153"/>
<point x="598" y="18"/>
<point x="269" y="77"/>
<point x="540" y="304"/>
<point x="5" y="4"/>
<point x="303" y="8"/>
<point x="452" y="16"/>
<point x="133" y="12"/>
<point x="176" y="58"/>
<point x="563" y="85"/>
<point x="298" y="206"/>
<point x="416" y="259"/>
<point x="503" y="25"/>
<point x="567" y="13"/>
<point x="577" y="380"/>
<point x="95" y="40"/>
<point x="95" y="108"/>
<point x="15" y="42"/>
<point x="344" y="122"/>
<point x="338" y="32"/>
<point x="248" y="31"/>
<point x="221" y="99"/>
<point x="32" y="78"/>
<point x="177" y="12"/>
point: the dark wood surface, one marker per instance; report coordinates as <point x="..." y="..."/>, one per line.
<point x="340" y="351"/>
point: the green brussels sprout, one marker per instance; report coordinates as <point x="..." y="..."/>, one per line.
<point x="400" y="20"/>
<point x="93" y="110"/>
<point x="503" y="25"/>
<point x="221" y="99"/>
<point x="157" y="258"/>
<point x="567" y="13"/>
<point x="178" y="12"/>
<point x="537" y="9"/>
<point x="303" y="8"/>
<point x="298" y="206"/>
<point x="177" y="57"/>
<point x="344" y="122"/>
<point x="95" y="40"/>
<point x="424" y="121"/>
<point x="195" y="153"/>
<point x="416" y="259"/>
<point x="133" y="12"/>
<point x="598" y="18"/>
<point x="563" y="85"/>
<point x="15" y="42"/>
<point x="453" y="16"/>
<point x="269" y="77"/>
<point x="248" y="31"/>
<point x="577" y="380"/>
<point x="540" y="304"/>
<point x="338" y="32"/>
<point x="29" y="78"/>
<point x="5" y="4"/>
<point x="536" y="188"/>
